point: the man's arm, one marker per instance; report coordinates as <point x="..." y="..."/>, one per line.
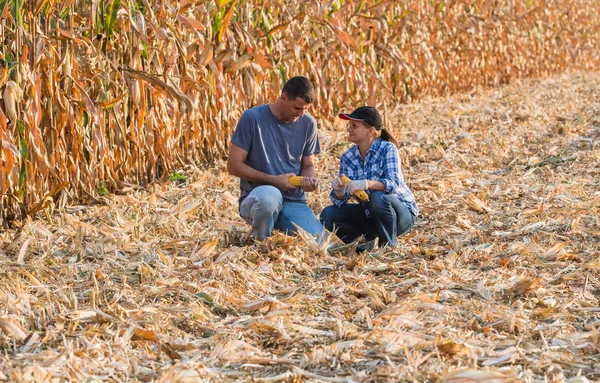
<point x="237" y="167"/>
<point x="309" y="172"/>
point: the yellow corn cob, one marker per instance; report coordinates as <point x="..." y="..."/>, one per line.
<point x="360" y="194"/>
<point x="295" y="180"/>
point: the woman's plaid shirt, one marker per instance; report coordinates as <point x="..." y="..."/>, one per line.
<point x="381" y="164"/>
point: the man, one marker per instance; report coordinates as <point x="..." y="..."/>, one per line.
<point x="271" y="143"/>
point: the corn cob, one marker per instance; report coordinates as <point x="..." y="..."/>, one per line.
<point x="360" y="194"/>
<point x="295" y="180"/>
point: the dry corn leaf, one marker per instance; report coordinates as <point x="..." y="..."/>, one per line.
<point x="205" y="251"/>
<point x="476" y="204"/>
<point x="508" y="355"/>
<point x="522" y="285"/>
<point x="12" y="328"/>
<point x="475" y="376"/>
<point x="23" y="251"/>
<point x="550" y="254"/>
<point x="142" y="334"/>
<point x="451" y="348"/>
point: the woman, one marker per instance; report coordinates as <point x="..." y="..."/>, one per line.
<point x="373" y="165"/>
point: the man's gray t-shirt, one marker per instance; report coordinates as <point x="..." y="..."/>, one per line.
<point x="275" y="147"/>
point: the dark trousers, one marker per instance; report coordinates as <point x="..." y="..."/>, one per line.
<point x="389" y="219"/>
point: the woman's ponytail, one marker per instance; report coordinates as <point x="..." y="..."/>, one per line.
<point x="386" y="135"/>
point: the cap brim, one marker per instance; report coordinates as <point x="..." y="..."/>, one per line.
<point x="350" y="117"/>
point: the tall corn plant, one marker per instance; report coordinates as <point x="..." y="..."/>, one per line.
<point x="122" y="92"/>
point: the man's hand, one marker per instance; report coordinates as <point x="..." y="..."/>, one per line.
<point x="309" y="184"/>
<point x="282" y="182"/>
<point x="338" y="188"/>
<point x="357" y="185"/>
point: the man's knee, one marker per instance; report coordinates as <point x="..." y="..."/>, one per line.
<point x="264" y="201"/>
<point x="268" y="200"/>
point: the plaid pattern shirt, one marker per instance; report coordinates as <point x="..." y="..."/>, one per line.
<point x="381" y="164"/>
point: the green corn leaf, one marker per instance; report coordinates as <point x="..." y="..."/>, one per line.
<point x="65" y="13"/>
<point x="111" y="17"/>
<point x="205" y="298"/>
<point x="17" y="5"/>
<point x="282" y="74"/>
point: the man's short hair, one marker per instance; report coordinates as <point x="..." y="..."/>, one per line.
<point x="299" y="86"/>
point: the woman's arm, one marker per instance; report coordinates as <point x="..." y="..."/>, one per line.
<point x="392" y="174"/>
<point x="375" y="185"/>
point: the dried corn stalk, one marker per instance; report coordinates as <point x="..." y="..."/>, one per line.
<point x="153" y="88"/>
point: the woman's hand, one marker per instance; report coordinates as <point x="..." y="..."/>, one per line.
<point x="355" y="185"/>
<point x="338" y="188"/>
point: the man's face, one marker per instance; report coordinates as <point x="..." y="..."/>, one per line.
<point x="292" y="110"/>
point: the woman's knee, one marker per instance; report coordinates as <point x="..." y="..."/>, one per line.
<point x="380" y="201"/>
<point x="405" y="221"/>
<point x="327" y="217"/>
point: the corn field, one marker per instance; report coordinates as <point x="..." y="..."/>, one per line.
<point x="102" y="96"/>
<point x="499" y="280"/>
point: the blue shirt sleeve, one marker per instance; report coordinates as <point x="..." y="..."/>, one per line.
<point x="312" y="141"/>
<point x="242" y="136"/>
<point x="391" y="169"/>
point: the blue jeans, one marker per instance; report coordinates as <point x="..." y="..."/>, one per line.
<point x="265" y="210"/>
<point x="389" y="219"/>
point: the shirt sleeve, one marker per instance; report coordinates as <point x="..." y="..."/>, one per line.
<point x="312" y="141"/>
<point x="391" y="169"/>
<point x="242" y="136"/>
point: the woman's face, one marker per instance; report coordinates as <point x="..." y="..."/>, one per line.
<point x="359" y="131"/>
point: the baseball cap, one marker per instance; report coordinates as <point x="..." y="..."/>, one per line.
<point x="368" y="114"/>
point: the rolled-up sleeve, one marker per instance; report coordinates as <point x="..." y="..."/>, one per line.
<point x="338" y="202"/>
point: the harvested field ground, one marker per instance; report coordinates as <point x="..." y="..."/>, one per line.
<point x="498" y="281"/>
